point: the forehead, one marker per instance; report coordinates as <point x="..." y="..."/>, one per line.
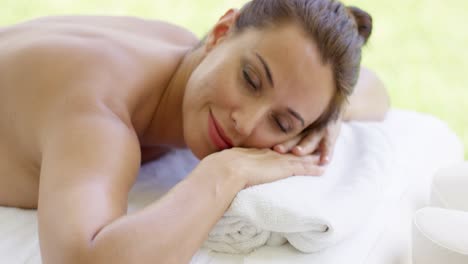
<point x="301" y="80"/>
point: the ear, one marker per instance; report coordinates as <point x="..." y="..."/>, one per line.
<point x="221" y="29"/>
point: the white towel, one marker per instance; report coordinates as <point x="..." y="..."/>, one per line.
<point x="312" y="213"/>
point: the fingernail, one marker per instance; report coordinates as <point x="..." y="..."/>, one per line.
<point x="280" y="148"/>
<point x="326" y="160"/>
<point x="298" y="148"/>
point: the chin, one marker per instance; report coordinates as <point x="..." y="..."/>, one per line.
<point x="194" y="133"/>
<point x="196" y="145"/>
<point x="199" y="154"/>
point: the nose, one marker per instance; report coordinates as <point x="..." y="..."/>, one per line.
<point x="247" y="119"/>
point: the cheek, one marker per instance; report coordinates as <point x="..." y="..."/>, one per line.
<point x="226" y="98"/>
<point x="224" y="92"/>
<point x="214" y="84"/>
<point x="196" y="91"/>
<point x="265" y="137"/>
<point x="208" y="91"/>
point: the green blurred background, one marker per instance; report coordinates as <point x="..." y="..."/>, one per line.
<point x="418" y="47"/>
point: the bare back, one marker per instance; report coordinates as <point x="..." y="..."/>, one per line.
<point x="53" y="67"/>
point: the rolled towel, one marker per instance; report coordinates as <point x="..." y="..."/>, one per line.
<point x="312" y="213"/>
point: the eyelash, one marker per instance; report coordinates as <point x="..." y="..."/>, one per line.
<point x="249" y="80"/>
<point x="281" y="126"/>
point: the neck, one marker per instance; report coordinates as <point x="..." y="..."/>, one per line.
<point x="166" y="126"/>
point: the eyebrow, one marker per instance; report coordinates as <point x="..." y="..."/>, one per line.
<point x="267" y="69"/>
<point x="270" y="79"/>
<point x="296" y="115"/>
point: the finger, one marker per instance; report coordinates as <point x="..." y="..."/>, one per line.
<point x="308" y="144"/>
<point x="326" y="152"/>
<point x="323" y="149"/>
<point x="306" y="165"/>
<point x="285" y="147"/>
<point x="282" y="166"/>
<point x="330" y="150"/>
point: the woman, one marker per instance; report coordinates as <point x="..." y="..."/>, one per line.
<point x="85" y="100"/>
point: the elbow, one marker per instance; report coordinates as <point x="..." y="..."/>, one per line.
<point x="386" y="108"/>
<point x="108" y="248"/>
<point x="81" y="252"/>
<point x="378" y="97"/>
<point x="109" y="245"/>
<point x="68" y="254"/>
<point x="370" y="100"/>
<point x="382" y="100"/>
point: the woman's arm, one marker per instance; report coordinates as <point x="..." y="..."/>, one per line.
<point x="370" y="100"/>
<point x="89" y="165"/>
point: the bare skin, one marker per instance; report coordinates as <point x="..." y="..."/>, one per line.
<point x="81" y="103"/>
<point x="135" y="63"/>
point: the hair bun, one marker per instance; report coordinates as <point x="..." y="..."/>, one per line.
<point x="363" y="21"/>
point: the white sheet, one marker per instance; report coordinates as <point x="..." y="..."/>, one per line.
<point x="412" y="133"/>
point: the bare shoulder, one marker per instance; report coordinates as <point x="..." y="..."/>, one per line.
<point x="151" y="29"/>
<point x="123" y="58"/>
<point x="96" y="39"/>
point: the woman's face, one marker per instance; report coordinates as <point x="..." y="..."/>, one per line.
<point x="255" y="89"/>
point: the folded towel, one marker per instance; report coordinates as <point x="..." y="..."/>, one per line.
<point x="312" y="213"/>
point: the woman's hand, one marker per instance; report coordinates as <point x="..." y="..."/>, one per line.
<point x="321" y="142"/>
<point x="258" y="166"/>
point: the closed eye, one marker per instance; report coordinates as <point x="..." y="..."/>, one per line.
<point x="249" y="79"/>
<point x="284" y="128"/>
<point x="281" y="126"/>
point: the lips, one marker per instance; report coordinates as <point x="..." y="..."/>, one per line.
<point x="217" y="134"/>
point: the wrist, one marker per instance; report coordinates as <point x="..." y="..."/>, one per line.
<point x="221" y="174"/>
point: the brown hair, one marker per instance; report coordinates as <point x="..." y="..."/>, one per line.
<point x="339" y="32"/>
